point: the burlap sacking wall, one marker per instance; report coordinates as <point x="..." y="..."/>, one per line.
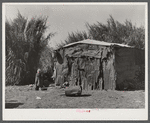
<point x="96" y="67"/>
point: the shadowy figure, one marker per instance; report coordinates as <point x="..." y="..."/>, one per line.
<point x="38" y="79"/>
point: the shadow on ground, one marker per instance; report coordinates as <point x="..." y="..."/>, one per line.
<point x="83" y="95"/>
<point x="12" y="104"/>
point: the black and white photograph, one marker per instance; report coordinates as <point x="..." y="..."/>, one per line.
<point x="75" y="61"/>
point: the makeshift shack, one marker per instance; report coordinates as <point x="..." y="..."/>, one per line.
<point x="98" y="65"/>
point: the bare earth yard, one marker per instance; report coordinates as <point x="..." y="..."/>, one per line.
<point x="27" y="97"/>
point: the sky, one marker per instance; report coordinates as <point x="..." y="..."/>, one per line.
<point x="64" y="18"/>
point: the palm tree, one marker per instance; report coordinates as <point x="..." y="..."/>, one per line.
<point x="113" y="31"/>
<point x="25" y="39"/>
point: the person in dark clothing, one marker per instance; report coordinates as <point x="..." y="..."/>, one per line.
<point x="38" y="79"/>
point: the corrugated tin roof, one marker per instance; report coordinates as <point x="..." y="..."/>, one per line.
<point x="89" y="41"/>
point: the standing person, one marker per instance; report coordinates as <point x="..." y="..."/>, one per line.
<point x="38" y="79"/>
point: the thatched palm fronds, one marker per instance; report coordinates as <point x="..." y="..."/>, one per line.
<point x="25" y="39"/>
<point x="113" y="31"/>
<point x="73" y="37"/>
<point x="117" y="32"/>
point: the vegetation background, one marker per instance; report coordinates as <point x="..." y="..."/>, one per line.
<point x="27" y="45"/>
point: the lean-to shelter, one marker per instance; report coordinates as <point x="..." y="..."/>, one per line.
<point x="98" y="65"/>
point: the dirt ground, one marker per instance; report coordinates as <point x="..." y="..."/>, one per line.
<point x="27" y="97"/>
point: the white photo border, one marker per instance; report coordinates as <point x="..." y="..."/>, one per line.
<point x="72" y="114"/>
